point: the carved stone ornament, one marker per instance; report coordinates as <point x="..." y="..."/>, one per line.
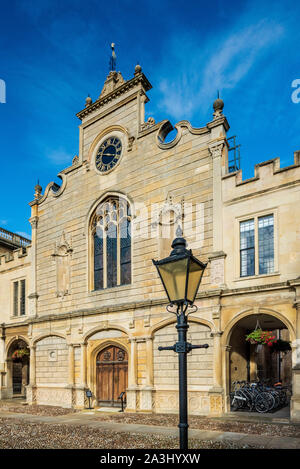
<point x="34" y="222"/>
<point x="150" y="122"/>
<point x="62" y="255"/>
<point x="75" y="160"/>
<point x="113" y="81"/>
<point x="171" y="213"/>
<point x="130" y="143"/>
<point x="216" y="150"/>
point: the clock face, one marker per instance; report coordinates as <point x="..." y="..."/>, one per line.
<point x="108" y="154"/>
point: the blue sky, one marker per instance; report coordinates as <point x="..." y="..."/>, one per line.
<point x="54" y="53"/>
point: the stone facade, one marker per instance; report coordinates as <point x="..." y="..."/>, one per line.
<point x="183" y="183"/>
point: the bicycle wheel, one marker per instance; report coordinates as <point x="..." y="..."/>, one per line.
<point x="262" y="402"/>
<point x="239" y="401"/>
<point x="276" y="396"/>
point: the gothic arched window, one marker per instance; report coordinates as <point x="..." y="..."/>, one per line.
<point x="111" y="239"/>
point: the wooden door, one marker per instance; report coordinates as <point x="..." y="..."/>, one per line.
<point x="112" y="375"/>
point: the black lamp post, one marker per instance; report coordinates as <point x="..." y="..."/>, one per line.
<point x="181" y="274"/>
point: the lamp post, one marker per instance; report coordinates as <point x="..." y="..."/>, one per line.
<point x="181" y="274"/>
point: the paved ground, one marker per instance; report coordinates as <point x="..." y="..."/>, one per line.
<point x="92" y="429"/>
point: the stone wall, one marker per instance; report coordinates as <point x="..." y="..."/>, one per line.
<point x="52" y="361"/>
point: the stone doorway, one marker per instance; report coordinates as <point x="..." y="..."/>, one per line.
<point x="249" y="362"/>
<point x="111" y="375"/>
<point x="18" y="368"/>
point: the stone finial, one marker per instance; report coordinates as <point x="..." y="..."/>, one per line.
<point x="218" y="106"/>
<point x="37" y="191"/>
<point x="138" y="69"/>
<point x="88" y="101"/>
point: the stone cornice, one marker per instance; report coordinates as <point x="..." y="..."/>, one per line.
<point x="220" y="121"/>
<point x="128" y="85"/>
<point x="206" y="294"/>
<point x="250" y="195"/>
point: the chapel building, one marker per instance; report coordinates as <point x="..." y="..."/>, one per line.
<point x="82" y="306"/>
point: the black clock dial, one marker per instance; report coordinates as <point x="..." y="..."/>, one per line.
<point x="108" y="154"/>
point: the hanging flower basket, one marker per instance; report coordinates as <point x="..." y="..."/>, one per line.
<point x="20" y="353"/>
<point x="281" y="346"/>
<point x="258" y="336"/>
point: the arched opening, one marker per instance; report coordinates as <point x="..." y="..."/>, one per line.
<point x="110" y="240"/>
<point x="18" y="364"/>
<point x="251" y="361"/>
<point x="111" y="375"/>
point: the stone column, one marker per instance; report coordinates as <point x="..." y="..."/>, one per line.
<point x="2" y="362"/>
<point x="226" y="381"/>
<point x="296" y="360"/>
<point x="2" y="348"/>
<point x="33" y="296"/>
<point x="218" y="372"/>
<point x="295" y="400"/>
<point x="216" y="393"/>
<point x="32" y="366"/>
<point x="83" y="370"/>
<point x="31" y="391"/>
<point x="71" y="366"/>
<point x="215" y="150"/>
<point x="146" y="391"/>
<point x="132" y="378"/>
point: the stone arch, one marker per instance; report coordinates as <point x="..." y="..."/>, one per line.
<point x="100" y="199"/>
<point x="17" y="366"/>
<point x="167" y="322"/>
<point x="93" y="352"/>
<point x="15" y="338"/>
<point x="248" y="312"/>
<point x="245" y="362"/>
<point x="44" y="336"/>
<point x="102" y="328"/>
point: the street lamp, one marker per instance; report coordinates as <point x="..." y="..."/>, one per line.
<point x="181" y="274"/>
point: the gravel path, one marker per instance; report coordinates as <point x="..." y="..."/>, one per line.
<point x="203" y="423"/>
<point x="16" y="434"/>
<point x="35" y="409"/>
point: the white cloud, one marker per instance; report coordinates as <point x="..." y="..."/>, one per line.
<point x="220" y="62"/>
<point x="59" y="156"/>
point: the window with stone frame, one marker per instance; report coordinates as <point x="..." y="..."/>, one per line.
<point x="19" y="298"/>
<point x="257" y="246"/>
<point x="111" y="242"/>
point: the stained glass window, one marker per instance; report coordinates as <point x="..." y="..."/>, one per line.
<point x="125" y="251"/>
<point x="112" y="244"/>
<point x="98" y="259"/>
<point x="111" y="255"/>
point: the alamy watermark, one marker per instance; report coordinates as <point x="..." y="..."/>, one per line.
<point x="296" y="94"/>
<point x="149" y="221"/>
<point x="2" y="92"/>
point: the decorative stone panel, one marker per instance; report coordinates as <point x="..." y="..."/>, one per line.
<point x="54" y="396"/>
<point x="48" y="369"/>
<point x="200" y="361"/>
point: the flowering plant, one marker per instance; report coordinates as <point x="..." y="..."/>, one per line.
<point x="20" y="353"/>
<point x="261" y="337"/>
